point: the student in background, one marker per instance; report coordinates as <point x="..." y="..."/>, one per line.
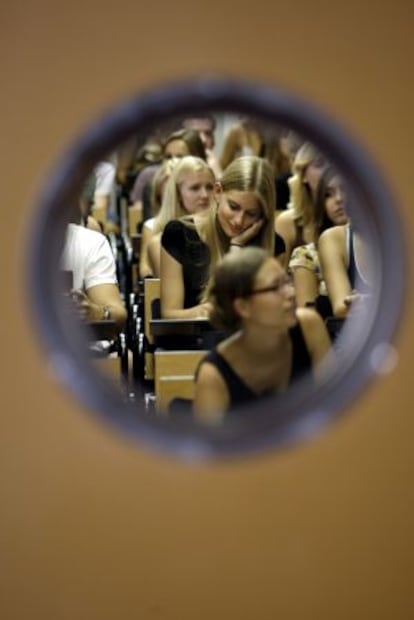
<point x="242" y="214"/>
<point x="158" y="184"/>
<point x="188" y="191"/>
<point x="88" y="255"/>
<point x="205" y="127"/>
<point x="304" y="265"/>
<point x="297" y="225"/>
<point x="347" y="267"/>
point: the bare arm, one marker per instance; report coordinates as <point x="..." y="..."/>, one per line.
<point x="304" y="267"/>
<point x="331" y="248"/>
<point x="285" y="227"/>
<point x="154" y="255"/>
<point x="145" y="269"/>
<point x="317" y="341"/>
<point x="172" y="291"/>
<point x="306" y="285"/>
<point x="100" y="298"/>
<point x="230" y="147"/>
<point x="211" y="397"/>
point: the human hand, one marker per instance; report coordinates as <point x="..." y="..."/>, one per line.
<point x="356" y="301"/>
<point x="247" y="234"/>
<point x="204" y="310"/>
<point x="82" y="304"/>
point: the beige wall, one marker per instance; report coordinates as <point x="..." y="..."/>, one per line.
<point x="91" y="526"/>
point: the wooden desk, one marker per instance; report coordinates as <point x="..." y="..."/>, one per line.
<point x="184" y="334"/>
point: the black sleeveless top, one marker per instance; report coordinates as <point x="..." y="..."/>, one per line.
<point x="183" y="243"/>
<point x="239" y="392"/>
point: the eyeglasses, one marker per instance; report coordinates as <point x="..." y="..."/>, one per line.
<point x="275" y="288"/>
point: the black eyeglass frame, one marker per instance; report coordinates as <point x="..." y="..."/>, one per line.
<point x="275" y="288"/>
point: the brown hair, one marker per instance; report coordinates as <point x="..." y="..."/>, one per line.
<point x="233" y="278"/>
<point x="192" y="140"/>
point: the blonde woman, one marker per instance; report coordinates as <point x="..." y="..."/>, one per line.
<point x="297" y="225"/>
<point x="242" y="214"/>
<point x="158" y="185"/>
<point x="188" y="190"/>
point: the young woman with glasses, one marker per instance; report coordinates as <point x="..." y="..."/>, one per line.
<point x="272" y="343"/>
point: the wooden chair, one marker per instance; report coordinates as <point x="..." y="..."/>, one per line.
<point x="174" y="376"/>
<point x="152" y="292"/>
<point x="179" y="345"/>
<point x="136" y="248"/>
<point x="113" y="361"/>
<point x="134" y="219"/>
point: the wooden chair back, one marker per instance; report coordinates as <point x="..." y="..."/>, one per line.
<point x="152" y="292"/>
<point x="174" y="376"/>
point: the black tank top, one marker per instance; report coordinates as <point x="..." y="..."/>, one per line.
<point x="239" y="392"/>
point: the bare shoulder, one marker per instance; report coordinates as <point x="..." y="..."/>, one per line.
<point x="208" y="373"/>
<point x="285" y="225"/>
<point x="285" y="217"/>
<point x="334" y="235"/>
<point x="211" y="396"/>
<point x="309" y="318"/>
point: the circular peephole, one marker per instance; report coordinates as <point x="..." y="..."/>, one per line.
<point x="138" y="374"/>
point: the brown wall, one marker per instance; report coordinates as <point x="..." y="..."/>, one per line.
<point x="91" y="526"/>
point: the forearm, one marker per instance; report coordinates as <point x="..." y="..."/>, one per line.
<point x="195" y="312"/>
<point x="306" y="286"/>
<point x="112" y="311"/>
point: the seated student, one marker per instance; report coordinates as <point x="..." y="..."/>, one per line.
<point x="272" y="343"/>
<point x="290" y="142"/>
<point x="347" y="268"/>
<point x="205" y="126"/>
<point x="188" y="191"/>
<point x="242" y="214"/>
<point x="253" y="136"/>
<point x="304" y="265"/>
<point x="297" y="224"/>
<point x="177" y="144"/>
<point x="88" y="255"/>
<point x="158" y="184"/>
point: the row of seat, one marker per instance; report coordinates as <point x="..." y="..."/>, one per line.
<point x="163" y="364"/>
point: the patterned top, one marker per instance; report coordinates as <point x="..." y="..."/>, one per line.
<point x="306" y="256"/>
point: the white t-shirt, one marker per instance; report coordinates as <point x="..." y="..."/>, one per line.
<point x="88" y="255"/>
<point x="105" y="185"/>
<point x="104" y="178"/>
<point x="150" y="223"/>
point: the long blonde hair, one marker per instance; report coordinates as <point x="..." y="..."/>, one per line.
<point x="171" y="206"/>
<point x="160" y="177"/>
<point x="245" y="174"/>
<point x="301" y="200"/>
